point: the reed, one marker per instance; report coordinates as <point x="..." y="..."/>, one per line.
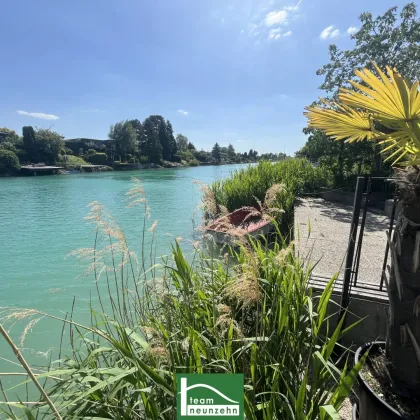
<point x="248" y="187"/>
<point x="250" y="312"/>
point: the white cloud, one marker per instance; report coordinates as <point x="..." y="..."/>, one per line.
<point x="352" y="30"/>
<point x="329" y="32"/>
<point x="274" y="33"/>
<point x="39" y="115"/>
<point x="277" y="17"/>
<point x="181" y="111"/>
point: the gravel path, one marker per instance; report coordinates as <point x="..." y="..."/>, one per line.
<point x="323" y="228"/>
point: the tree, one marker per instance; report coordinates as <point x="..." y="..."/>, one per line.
<point x="386" y="40"/>
<point x="190" y="146"/>
<point x="138" y="129"/>
<point x="341" y="159"/>
<point x="9" y="162"/>
<point x="388" y="110"/>
<point x="7" y="145"/>
<point x="29" y="143"/>
<point x="8" y="135"/>
<point x="124" y="138"/>
<point x="171" y="137"/>
<point x="182" y="142"/>
<point x="165" y="140"/>
<point x="151" y="146"/>
<point x="216" y="153"/>
<point x="48" y="145"/>
<point x="231" y="151"/>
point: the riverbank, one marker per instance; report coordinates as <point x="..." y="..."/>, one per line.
<point x="45" y="170"/>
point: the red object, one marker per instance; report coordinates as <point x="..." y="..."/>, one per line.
<point x="240" y="219"/>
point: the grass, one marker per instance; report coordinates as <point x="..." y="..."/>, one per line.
<point x="74" y="161"/>
<point x="249" y="186"/>
<point x="251" y="312"/>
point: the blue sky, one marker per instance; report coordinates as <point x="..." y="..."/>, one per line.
<point x="231" y="71"/>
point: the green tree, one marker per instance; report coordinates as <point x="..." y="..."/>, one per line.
<point x="172" y="141"/>
<point x="190" y="146"/>
<point x="216" y="153"/>
<point x="48" y="145"/>
<point x="343" y="160"/>
<point x="7" y="145"/>
<point x="151" y="145"/>
<point x="387" y="40"/>
<point x="138" y="129"/>
<point x="231" y="151"/>
<point x="29" y="143"/>
<point x="124" y="138"/>
<point x="165" y="140"/>
<point x="9" y="162"/>
<point x="182" y="143"/>
<point x="8" y="135"/>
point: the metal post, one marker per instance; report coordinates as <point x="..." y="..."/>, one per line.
<point x="391" y="224"/>
<point x="361" y="232"/>
<point x="344" y="303"/>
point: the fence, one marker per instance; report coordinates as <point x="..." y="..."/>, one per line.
<point x="362" y="198"/>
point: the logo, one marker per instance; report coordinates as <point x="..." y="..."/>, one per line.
<point x="210" y="395"/>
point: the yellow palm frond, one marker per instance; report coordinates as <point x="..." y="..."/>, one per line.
<point x="341" y="122"/>
<point x="388" y="100"/>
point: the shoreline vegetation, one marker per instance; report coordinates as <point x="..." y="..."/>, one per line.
<point x="250" y="311"/>
<point x="131" y="145"/>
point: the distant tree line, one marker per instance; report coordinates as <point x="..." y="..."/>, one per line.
<point x="129" y="142"/>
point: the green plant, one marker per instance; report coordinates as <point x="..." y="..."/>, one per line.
<point x="70" y="161"/>
<point x="386" y="109"/>
<point x="9" y="162"/>
<point x="194" y="162"/>
<point x="98" y="158"/>
<point x="252" y="312"/>
<point x="248" y="187"/>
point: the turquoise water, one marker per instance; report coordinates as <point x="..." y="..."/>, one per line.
<point x="42" y="222"/>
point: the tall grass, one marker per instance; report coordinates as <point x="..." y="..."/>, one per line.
<point x="248" y="187"/>
<point x="252" y="312"/>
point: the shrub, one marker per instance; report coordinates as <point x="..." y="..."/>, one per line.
<point x="9" y="162"/>
<point x="70" y="161"/>
<point x="6" y="145"/>
<point x="98" y="158"/>
<point x="186" y="156"/>
<point x="248" y="187"/>
<point x="194" y="162"/>
<point x="256" y="316"/>
<point x="143" y="159"/>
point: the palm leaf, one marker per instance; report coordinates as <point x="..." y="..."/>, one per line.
<point x="388" y="100"/>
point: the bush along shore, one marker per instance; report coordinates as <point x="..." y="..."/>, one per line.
<point x="251" y="312"/>
<point x="130" y="145"/>
<point x="253" y="187"/>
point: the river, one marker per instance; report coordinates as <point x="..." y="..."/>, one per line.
<point x="42" y="222"/>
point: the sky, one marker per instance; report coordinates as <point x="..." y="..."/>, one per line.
<point x="231" y="71"/>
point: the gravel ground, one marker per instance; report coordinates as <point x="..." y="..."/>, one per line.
<point x="323" y="228"/>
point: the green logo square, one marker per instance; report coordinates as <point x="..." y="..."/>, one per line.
<point x="210" y="395"/>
